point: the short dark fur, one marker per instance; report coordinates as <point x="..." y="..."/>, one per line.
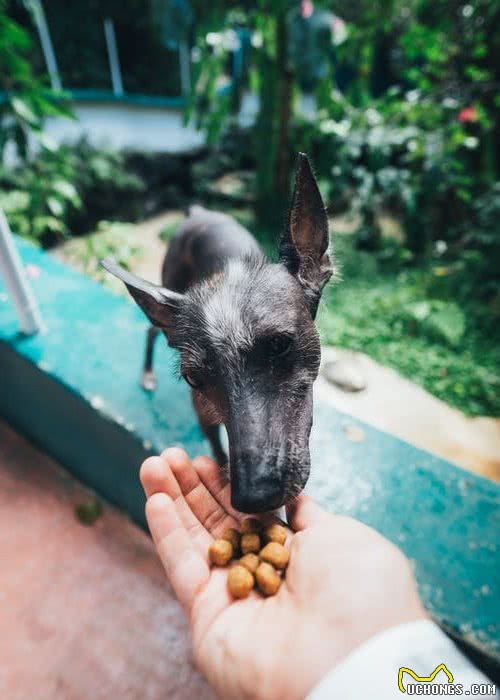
<point x="245" y="331"/>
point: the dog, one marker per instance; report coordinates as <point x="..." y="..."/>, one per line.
<point x="244" y="328"/>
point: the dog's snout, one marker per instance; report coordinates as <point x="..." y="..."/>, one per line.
<point x="256" y="494"/>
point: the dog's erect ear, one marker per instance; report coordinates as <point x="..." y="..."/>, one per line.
<point x="160" y="305"/>
<point x="304" y="244"/>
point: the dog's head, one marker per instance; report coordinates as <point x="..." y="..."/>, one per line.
<point x="250" y="350"/>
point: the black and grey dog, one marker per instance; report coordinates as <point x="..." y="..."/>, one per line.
<point x="249" y="349"/>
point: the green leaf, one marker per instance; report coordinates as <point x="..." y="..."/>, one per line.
<point x="65" y="189"/>
<point x="47" y="142"/>
<point x="23" y="111"/>
<point x="419" y="311"/>
<point x="448" y="322"/>
<point x="55" y="205"/>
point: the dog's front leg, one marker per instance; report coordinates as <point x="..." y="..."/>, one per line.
<point x="213" y="436"/>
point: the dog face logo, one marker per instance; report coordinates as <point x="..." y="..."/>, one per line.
<point x="422" y="679"/>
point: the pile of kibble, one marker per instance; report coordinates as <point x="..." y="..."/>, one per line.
<point x="263" y="560"/>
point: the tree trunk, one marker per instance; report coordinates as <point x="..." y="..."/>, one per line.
<point x="273" y="128"/>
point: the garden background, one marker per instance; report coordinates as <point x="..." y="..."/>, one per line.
<point x="396" y="104"/>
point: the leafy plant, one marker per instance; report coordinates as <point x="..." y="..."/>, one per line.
<point x="111" y="239"/>
<point x="443" y="320"/>
<point x="108" y="186"/>
<point x="37" y="197"/>
<point x="27" y="98"/>
<point x="66" y="189"/>
<point x="403" y="321"/>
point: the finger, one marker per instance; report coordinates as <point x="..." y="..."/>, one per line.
<point x="210" y="516"/>
<point x="220" y="489"/>
<point x="157" y="476"/>
<point x="303" y="512"/>
<point x="185" y="567"/>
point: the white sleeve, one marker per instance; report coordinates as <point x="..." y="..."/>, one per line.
<point x="372" y="671"/>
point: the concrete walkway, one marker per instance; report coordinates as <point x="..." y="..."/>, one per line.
<point x="400" y="407"/>
<point x="85" y="610"/>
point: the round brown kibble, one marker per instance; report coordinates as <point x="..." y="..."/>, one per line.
<point x="232" y="535"/>
<point x="250" y="525"/>
<point x="268" y="579"/>
<point x="240" y="581"/>
<point x="275" y="533"/>
<point x="250" y="543"/>
<point x="250" y="561"/>
<point x="275" y="554"/>
<point x="220" y="552"/>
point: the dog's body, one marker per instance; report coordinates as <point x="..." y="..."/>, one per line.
<point x="245" y="331"/>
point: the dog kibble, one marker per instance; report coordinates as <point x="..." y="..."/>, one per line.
<point x="250" y="561"/>
<point x="220" y="552"/>
<point x="275" y="533"/>
<point x="261" y="565"/>
<point x="240" y="581"/>
<point x="232" y="535"/>
<point x="268" y="579"/>
<point x="275" y="554"/>
<point x="250" y="543"/>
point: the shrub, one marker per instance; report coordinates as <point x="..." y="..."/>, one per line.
<point x="66" y="189"/>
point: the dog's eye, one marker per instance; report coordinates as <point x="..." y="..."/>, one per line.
<point x="192" y="381"/>
<point x="279" y="345"/>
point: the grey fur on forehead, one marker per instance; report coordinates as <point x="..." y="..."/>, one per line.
<point x="249" y="297"/>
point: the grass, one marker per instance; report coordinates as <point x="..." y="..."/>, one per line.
<point x="406" y="319"/>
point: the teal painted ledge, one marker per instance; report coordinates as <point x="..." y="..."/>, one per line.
<point x="74" y="390"/>
<point x="92" y="95"/>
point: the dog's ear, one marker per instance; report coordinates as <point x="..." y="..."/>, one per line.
<point x="160" y="305"/>
<point x="304" y="244"/>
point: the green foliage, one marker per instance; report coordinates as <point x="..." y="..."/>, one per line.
<point x="111" y="239"/>
<point x="38" y="196"/>
<point x="27" y="100"/>
<point x="66" y="189"/>
<point x="169" y="230"/>
<point x="261" y="35"/>
<point x="442" y="320"/>
<point x="401" y="319"/>
<point x="107" y="184"/>
<point x="400" y="150"/>
<point x="473" y="262"/>
<point x="411" y="155"/>
<point x="210" y="101"/>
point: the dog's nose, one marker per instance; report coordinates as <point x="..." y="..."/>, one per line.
<point x="256" y="495"/>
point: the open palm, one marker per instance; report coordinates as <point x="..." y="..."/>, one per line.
<point x="276" y="647"/>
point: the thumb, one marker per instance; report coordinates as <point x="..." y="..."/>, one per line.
<point x="303" y="512"/>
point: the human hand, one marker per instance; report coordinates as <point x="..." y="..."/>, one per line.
<point x="344" y="584"/>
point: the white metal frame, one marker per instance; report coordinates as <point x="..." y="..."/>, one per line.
<point x="12" y="271"/>
<point x="114" y="61"/>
